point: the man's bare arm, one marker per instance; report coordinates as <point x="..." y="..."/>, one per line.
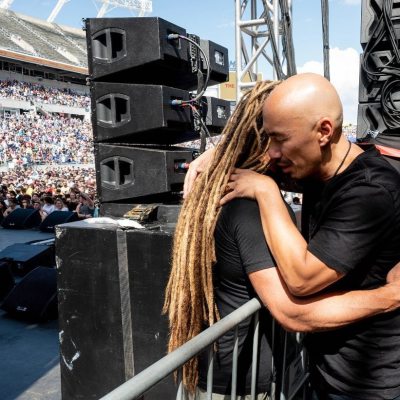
<point x="196" y="167"/>
<point x="321" y="312"/>
<point x="303" y="273"/>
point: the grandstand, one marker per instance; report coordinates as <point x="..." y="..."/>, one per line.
<point x="43" y="70"/>
<point x="42" y="53"/>
<point x="35" y="41"/>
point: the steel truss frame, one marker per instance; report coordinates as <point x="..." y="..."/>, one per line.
<point x="263" y="30"/>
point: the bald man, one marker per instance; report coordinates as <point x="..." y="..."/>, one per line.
<point x="350" y="227"/>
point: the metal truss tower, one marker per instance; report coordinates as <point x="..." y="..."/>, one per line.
<point x="263" y="31"/>
<point x="60" y="4"/>
<point x="141" y="6"/>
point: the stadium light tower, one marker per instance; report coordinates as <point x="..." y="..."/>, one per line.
<point x="5" y="4"/>
<point x="142" y="6"/>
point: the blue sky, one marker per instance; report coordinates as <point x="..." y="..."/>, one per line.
<point x="214" y="20"/>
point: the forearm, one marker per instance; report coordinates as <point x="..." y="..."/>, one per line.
<point x="321" y="312"/>
<point x="340" y="309"/>
<point x="284" y="240"/>
<point x="302" y="272"/>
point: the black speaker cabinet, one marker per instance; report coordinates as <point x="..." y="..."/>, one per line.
<point x="138" y="113"/>
<point x="215" y="113"/>
<point x="111" y="285"/>
<point x="218" y="58"/>
<point x="35" y="296"/>
<point x="25" y="257"/>
<point x="371" y="10"/>
<point x="22" y="218"/>
<point x="127" y="172"/>
<point x="7" y="281"/>
<point x="370" y="90"/>
<point x="137" y="50"/>
<point x="370" y="118"/>
<point x="56" y="218"/>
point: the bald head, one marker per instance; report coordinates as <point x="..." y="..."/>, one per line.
<point x="303" y="119"/>
<point x="308" y="97"/>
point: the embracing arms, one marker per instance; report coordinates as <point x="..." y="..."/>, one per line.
<point x="324" y="311"/>
<point x="303" y="273"/>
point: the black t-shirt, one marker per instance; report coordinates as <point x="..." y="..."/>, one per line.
<point x="352" y="223"/>
<point x="240" y="249"/>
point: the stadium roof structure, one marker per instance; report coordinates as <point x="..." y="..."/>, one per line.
<point x="39" y="42"/>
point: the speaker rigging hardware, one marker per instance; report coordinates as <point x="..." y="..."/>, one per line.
<point x="174" y="36"/>
<point x="142" y="212"/>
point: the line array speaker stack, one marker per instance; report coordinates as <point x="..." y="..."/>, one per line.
<point x="111" y="280"/>
<point x="379" y="86"/>
<point x="142" y="72"/>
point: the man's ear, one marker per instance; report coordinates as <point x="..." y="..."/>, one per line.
<point x="325" y="129"/>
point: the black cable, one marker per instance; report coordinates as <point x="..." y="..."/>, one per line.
<point x="383" y="28"/>
<point x="387" y="16"/>
<point x="174" y="36"/>
<point x="387" y="73"/>
<point x="202" y="123"/>
<point x="390" y="113"/>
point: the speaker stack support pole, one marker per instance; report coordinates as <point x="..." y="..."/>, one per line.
<point x="111" y="280"/>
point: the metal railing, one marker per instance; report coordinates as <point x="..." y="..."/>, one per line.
<point x="294" y="373"/>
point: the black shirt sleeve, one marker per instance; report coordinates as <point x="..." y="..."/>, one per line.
<point x="242" y="223"/>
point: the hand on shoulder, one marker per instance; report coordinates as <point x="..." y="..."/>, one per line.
<point x="249" y="184"/>
<point x="196" y="167"/>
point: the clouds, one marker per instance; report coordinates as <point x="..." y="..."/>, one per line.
<point x="344" y="71"/>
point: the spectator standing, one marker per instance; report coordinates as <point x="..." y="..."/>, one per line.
<point x="85" y="208"/>
<point x="48" y="206"/>
<point x="72" y="200"/>
<point x="25" y="202"/>
<point x="37" y="205"/>
<point x="12" y="205"/>
<point x="59" y="205"/>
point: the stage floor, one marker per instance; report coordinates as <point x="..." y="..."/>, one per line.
<point x="29" y="362"/>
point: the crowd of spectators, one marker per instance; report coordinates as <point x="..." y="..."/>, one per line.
<point x="26" y="91"/>
<point x="40" y="153"/>
<point x="48" y="190"/>
<point x="32" y="138"/>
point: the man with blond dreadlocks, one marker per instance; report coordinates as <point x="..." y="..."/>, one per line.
<point x="218" y="252"/>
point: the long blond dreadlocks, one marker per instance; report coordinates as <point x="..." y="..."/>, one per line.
<point x="189" y="300"/>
